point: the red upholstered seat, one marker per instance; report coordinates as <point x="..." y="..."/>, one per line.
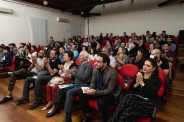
<point x="144" y="119"/>
<point x="147" y="45"/>
<point x="93" y="104"/>
<point x="121" y="82"/>
<point x="163" y="79"/>
<point x="116" y="68"/>
<point x="11" y="67"/>
<point x="92" y="62"/>
<point x="129" y="70"/>
<point x="77" y="62"/>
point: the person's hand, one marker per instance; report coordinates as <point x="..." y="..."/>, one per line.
<point x="90" y="92"/>
<point x="163" y="55"/>
<point x="140" y="78"/>
<point x="34" y="59"/>
<point x="61" y="67"/>
<point x="46" y="62"/>
<point x="159" y="63"/>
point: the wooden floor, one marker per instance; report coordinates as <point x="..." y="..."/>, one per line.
<point x="172" y="111"/>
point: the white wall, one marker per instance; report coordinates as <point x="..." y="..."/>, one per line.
<point x="169" y="18"/>
<point x="15" y="27"/>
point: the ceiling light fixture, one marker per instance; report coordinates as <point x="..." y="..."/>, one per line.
<point x="45" y="2"/>
<point x="82" y="12"/>
<point x="103" y="6"/>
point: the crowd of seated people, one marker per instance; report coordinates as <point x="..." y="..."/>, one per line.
<point x="54" y="64"/>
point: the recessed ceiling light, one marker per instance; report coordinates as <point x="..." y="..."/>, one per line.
<point x="45" y="2"/>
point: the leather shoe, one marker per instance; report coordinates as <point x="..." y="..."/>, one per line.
<point x="86" y="119"/>
<point x="54" y="112"/>
<point x="34" y="105"/>
<point x="22" y="101"/>
<point x="67" y="120"/>
<point x="5" y="99"/>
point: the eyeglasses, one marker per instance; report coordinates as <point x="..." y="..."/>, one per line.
<point x="98" y="61"/>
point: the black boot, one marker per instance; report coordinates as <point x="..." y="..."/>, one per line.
<point x="68" y="118"/>
<point x="4" y="74"/>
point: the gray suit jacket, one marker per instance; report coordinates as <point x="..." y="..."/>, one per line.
<point x="110" y="80"/>
<point x="83" y="74"/>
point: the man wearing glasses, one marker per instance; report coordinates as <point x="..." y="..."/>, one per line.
<point x="104" y="88"/>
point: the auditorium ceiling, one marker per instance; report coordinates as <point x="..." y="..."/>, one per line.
<point x="87" y="8"/>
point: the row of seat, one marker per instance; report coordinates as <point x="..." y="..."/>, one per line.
<point x="129" y="70"/>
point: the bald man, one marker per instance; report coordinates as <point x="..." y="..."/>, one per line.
<point x="161" y="62"/>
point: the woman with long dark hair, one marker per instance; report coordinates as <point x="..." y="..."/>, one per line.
<point x="144" y="98"/>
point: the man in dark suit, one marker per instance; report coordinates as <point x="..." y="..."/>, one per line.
<point x="104" y="88"/>
<point x="7" y="57"/>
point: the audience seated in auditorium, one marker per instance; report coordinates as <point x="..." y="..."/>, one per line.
<point x="151" y="48"/>
<point x="67" y="45"/>
<point x="157" y="45"/>
<point x="139" y="59"/>
<point x="104" y="88"/>
<point x="12" y="47"/>
<point x="133" y="51"/>
<point x="64" y="75"/>
<point x="161" y="62"/>
<point x="98" y="48"/>
<point x="75" y="51"/>
<point x="7" y="57"/>
<point x="51" y="42"/>
<point x="125" y="36"/>
<point x="173" y="45"/>
<point x="144" y="98"/>
<point x="27" y="74"/>
<point x="129" y="44"/>
<point x="61" y="54"/>
<point x="1" y="52"/>
<point x="108" y="44"/>
<point x="82" y="79"/>
<point x="121" y="58"/>
<point x="85" y="42"/>
<point x="92" y="54"/>
<point x="164" y="35"/>
<point x="107" y="51"/>
<point x="169" y="55"/>
<point x="142" y="45"/>
<point x="51" y="70"/>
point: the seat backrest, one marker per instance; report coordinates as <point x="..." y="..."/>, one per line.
<point x="92" y="62"/>
<point x="163" y="80"/>
<point x="129" y="70"/>
<point x="13" y="58"/>
<point x="173" y="64"/>
<point x="77" y="61"/>
<point x="116" y="68"/>
<point x="121" y="82"/>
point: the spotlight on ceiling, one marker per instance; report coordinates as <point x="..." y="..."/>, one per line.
<point x="45" y="2"/>
<point x="82" y="12"/>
